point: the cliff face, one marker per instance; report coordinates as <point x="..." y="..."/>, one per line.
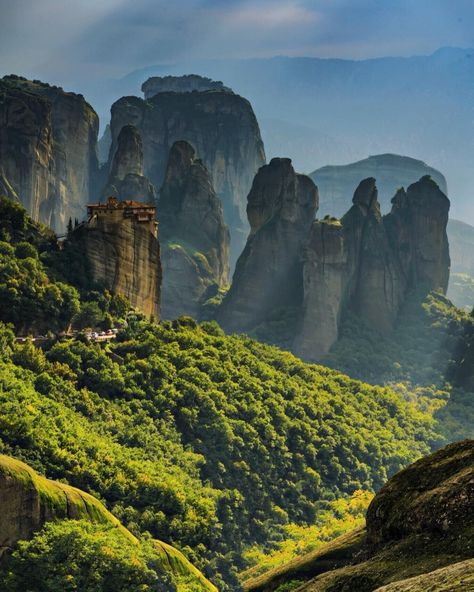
<point x="47" y="149"/>
<point x="223" y="130"/>
<point x="124" y="256"/>
<point x="195" y="240"/>
<point x="126" y="179"/>
<point x="417" y="228"/>
<point x="281" y="207"/>
<point x="324" y="284"/>
<point x="367" y="263"/>
<point x="337" y="183"/>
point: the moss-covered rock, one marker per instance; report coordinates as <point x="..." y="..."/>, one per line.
<point x="29" y="500"/>
<point x="420" y="528"/>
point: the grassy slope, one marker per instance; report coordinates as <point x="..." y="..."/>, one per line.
<point x="64" y="501"/>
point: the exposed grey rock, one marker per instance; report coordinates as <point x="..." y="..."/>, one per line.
<point x="281" y="207"/>
<point x="195" y="239"/>
<point x="222" y="128"/>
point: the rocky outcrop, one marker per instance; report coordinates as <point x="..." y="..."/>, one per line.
<point x="417" y="229"/>
<point x="47" y="149"/>
<point x="324" y="287"/>
<point x="29" y="500"/>
<point x="268" y="276"/>
<point x="194" y="237"/>
<point x="367" y="264"/>
<point x="121" y="245"/>
<point x="126" y="179"/>
<point x="188" y="83"/>
<point x="431" y="496"/>
<point x="336" y="184"/>
<point x="418" y="526"/>
<point x="223" y="130"/>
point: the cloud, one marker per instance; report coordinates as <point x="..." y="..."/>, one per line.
<point x="65" y="40"/>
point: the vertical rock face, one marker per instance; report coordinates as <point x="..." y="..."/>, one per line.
<point x="417" y="224"/>
<point x="281" y="208"/>
<point x="367" y="264"/>
<point x="325" y="276"/>
<point x="375" y="280"/>
<point x="120" y="240"/>
<point x="126" y="179"/>
<point x="47" y="149"/>
<point x="195" y="239"/>
<point x="223" y="130"/>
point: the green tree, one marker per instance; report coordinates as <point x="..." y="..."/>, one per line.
<point x="72" y="556"/>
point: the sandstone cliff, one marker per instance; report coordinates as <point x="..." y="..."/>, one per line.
<point x="223" y="130"/>
<point x="126" y="179"/>
<point x="194" y="238"/>
<point x="124" y="253"/>
<point x="418" y="534"/>
<point x="268" y="276"/>
<point x="47" y="149"/>
<point x="337" y="183"/>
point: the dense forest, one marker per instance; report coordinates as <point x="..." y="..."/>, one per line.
<point x="223" y="446"/>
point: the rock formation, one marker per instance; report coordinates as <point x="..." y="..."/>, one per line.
<point x="126" y="179"/>
<point x="29" y="500"/>
<point x="223" y="130"/>
<point x="324" y="284"/>
<point x="419" y="524"/>
<point x="194" y="238"/>
<point x="268" y="276"/>
<point x="121" y="244"/>
<point x="367" y="264"/>
<point x="364" y="264"/>
<point x="336" y="184"/>
<point x="47" y="149"/>
<point x="189" y="83"/>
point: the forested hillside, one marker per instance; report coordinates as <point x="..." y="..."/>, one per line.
<point x="213" y="443"/>
<point x="223" y="446"/>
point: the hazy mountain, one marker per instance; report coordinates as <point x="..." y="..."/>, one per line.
<point x="320" y="111"/>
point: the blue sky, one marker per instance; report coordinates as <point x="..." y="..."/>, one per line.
<point x="86" y="39"/>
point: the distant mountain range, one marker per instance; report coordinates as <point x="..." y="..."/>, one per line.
<point x="333" y="111"/>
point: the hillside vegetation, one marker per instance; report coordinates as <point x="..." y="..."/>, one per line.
<point x="419" y="534"/>
<point x="219" y="445"/>
<point x="76" y="544"/>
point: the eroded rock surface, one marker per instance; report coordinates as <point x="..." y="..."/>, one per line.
<point x="187" y="83"/>
<point x="194" y="237"/>
<point x="222" y="128"/>
<point x="121" y="244"/>
<point x="281" y="208"/>
<point x="367" y="263"/>
<point x="126" y="178"/>
<point x="47" y="149"/>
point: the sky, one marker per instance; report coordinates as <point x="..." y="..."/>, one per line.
<point x="65" y="41"/>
